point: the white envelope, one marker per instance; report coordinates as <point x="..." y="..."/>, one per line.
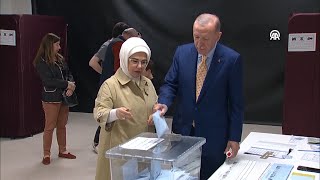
<point x="160" y="123"/>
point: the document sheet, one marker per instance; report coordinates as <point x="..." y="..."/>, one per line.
<point x="279" y="150"/>
<point x="142" y="143"/>
<point x="240" y="170"/>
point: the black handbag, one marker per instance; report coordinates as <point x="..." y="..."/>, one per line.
<point x="70" y="101"/>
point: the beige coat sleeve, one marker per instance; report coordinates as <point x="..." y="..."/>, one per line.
<point x="103" y="103"/>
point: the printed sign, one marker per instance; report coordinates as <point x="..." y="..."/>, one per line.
<point x="7" y="37"/>
<point x="302" y="42"/>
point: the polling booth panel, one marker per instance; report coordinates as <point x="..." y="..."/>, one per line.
<point x="302" y="76"/>
<point x="20" y="37"/>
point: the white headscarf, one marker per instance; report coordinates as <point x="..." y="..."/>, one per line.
<point x="129" y="47"/>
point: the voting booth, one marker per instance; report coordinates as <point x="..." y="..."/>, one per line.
<point x="148" y="157"/>
<point x="301" y="106"/>
<point x="20" y="37"/>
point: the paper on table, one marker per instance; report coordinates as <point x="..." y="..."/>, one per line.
<point x="313" y="140"/>
<point x="301" y="176"/>
<point x="260" y="151"/>
<point x="297" y="139"/>
<point x="313" y="157"/>
<point x="240" y="169"/>
<point x="142" y="143"/>
<point x="277" y="172"/>
<point x="273" y="146"/>
<point x="279" y="150"/>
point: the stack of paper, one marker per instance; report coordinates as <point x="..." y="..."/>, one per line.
<point x="313" y="140"/>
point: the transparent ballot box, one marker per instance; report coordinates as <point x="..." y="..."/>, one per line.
<point x="147" y="157"/>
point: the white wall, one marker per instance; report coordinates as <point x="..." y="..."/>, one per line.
<point x="15" y="7"/>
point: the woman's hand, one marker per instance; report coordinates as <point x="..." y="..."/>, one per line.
<point x="150" y="120"/>
<point x="69" y="92"/>
<point x="123" y="113"/>
<point x="71" y="86"/>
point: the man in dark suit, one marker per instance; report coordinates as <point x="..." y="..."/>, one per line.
<point x="206" y="78"/>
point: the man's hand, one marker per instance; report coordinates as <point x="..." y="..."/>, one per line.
<point x="233" y="147"/>
<point x="161" y="107"/>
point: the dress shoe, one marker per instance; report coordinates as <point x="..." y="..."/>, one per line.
<point x="46" y="160"/>
<point x="67" y="156"/>
<point x="95" y="147"/>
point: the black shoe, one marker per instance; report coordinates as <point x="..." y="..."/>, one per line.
<point x="95" y="147"/>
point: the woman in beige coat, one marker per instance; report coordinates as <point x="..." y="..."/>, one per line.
<point x="124" y="102"/>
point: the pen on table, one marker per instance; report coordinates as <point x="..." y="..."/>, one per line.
<point x="290" y="150"/>
<point x="305" y="150"/>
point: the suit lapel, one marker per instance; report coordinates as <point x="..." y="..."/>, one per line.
<point x="193" y="71"/>
<point x="215" y="66"/>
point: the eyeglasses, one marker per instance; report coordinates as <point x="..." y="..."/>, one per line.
<point x="136" y="62"/>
